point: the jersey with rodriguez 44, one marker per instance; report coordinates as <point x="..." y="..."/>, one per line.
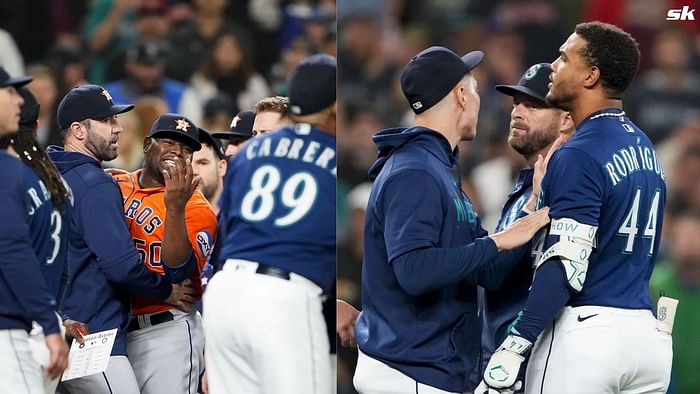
<point x="624" y="232"/>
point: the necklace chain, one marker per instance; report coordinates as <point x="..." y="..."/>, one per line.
<point x="620" y="114"/>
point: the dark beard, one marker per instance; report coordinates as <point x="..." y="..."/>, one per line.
<point x="533" y="143"/>
<point x="100" y="148"/>
<point x="208" y="191"/>
<point x="562" y="102"/>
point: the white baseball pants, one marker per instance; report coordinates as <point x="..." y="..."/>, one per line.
<point x="374" y="377"/>
<point x="41" y="353"/>
<point x="19" y="371"/>
<point x="599" y="350"/>
<point x="119" y="378"/>
<point x="168" y="357"/>
<point x="264" y="335"/>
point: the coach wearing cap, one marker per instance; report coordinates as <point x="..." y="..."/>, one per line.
<point x="105" y="268"/>
<point x="534" y="127"/>
<point x="425" y="250"/>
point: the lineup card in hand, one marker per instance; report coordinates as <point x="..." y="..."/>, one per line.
<point x="91" y="357"/>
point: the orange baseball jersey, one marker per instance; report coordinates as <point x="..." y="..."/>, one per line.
<point x="144" y="211"/>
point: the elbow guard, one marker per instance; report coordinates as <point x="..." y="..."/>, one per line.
<point x="573" y="249"/>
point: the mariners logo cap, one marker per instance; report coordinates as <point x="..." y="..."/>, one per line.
<point x="177" y="127"/>
<point x="88" y="102"/>
<point x="241" y="126"/>
<point x="534" y="83"/>
<point x="431" y="74"/>
<point x="7" y="80"/>
<point x="312" y="84"/>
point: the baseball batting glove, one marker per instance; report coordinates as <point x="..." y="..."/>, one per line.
<point x="503" y="367"/>
<point x="482" y="388"/>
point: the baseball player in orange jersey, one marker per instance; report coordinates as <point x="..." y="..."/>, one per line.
<point x="173" y="224"/>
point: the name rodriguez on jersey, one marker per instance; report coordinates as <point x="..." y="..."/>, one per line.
<point x="294" y="149"/>
<point x="632" y="159"/>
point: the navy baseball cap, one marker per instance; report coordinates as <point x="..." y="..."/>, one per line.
<point x="534" y="83"/>
<point x="312" y="84"/>
<point x="206" y="137"/>
<point x="177" y="127"/>
<point x="7" y="80"/>
<point x="432" y="73"/>
<point x="87" y="102"/>
<point x="241" y="126"/>
<point x="30" y="109"/>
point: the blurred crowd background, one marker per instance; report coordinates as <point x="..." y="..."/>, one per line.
<point x="378" y="37"/>
<point x="205" y="59"/>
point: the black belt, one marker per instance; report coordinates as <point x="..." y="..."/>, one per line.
<point x="155" y="319"/>
<point x="272" y="271"/>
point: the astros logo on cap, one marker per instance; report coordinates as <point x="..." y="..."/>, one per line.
<point x="107" y="95"/>
<point x="182" y="125"/>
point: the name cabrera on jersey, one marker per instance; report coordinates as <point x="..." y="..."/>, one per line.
<point x="606" y="192"/>
<point x="308" y="151"/>
<point x="278" y="204"/>
<point x="49" y="228"/>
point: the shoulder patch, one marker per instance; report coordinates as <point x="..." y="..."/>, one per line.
<point x="204" y="242"/>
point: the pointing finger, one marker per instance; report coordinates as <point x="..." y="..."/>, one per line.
<point x="188" y="171"/>
<point x="177" y="169"/>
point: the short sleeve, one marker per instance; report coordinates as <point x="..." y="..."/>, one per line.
<point x="201" y="229"/>
<point x="574" y="187"/>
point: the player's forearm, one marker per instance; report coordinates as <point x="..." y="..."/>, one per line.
<point x="492" y="274"/>
<point x="176" y="247"/>
<point x="549" y="294"/>
<point x="127" y="272"/>
<point x="424" y="270"/>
